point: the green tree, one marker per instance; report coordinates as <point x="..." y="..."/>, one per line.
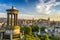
<point x="32" y="37"/>
<point x="28" y="30"/>
<point x="28" y="34"/>
<point x="44" y="37"/>
<point x="54" y="37"/>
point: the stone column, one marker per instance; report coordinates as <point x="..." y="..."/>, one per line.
<point x="11" y="20"/>
<point x="16" y="19"/>
<point x="8" y="19"/>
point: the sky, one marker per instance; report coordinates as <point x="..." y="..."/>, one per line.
<point x="33" y="8"/>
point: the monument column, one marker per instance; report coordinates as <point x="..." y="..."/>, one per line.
<point x="11" y="20"/>
<point x="7" y="19"/>
<point x="14" y="35"/>
<point x="16" y="19"/>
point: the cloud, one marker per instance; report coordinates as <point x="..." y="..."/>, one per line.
<point x="46" y="7"/>
<point x="4" y="5"/>
<point x="3" y="15"/>
<point x="20" y="16"/>
<point x="25" y="16"/>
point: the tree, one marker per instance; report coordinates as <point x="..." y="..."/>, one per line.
<point x="44" y="37"/>
<point x="28" y="34"/>
<point x="28" y="30"/>
<point x="32" y="37"/>
<point x="54" y="37"/>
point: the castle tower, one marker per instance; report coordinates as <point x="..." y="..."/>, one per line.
<point x="12" y="17"/>
<point x="48" y="21"/>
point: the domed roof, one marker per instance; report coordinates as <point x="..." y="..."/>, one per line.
<point x="13" y="7"/>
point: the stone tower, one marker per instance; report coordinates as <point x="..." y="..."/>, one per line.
<point x="12" y="17"/>
<point x="13" y="30"/>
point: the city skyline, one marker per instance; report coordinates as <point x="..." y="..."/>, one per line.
<point x="33" y="8"/>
